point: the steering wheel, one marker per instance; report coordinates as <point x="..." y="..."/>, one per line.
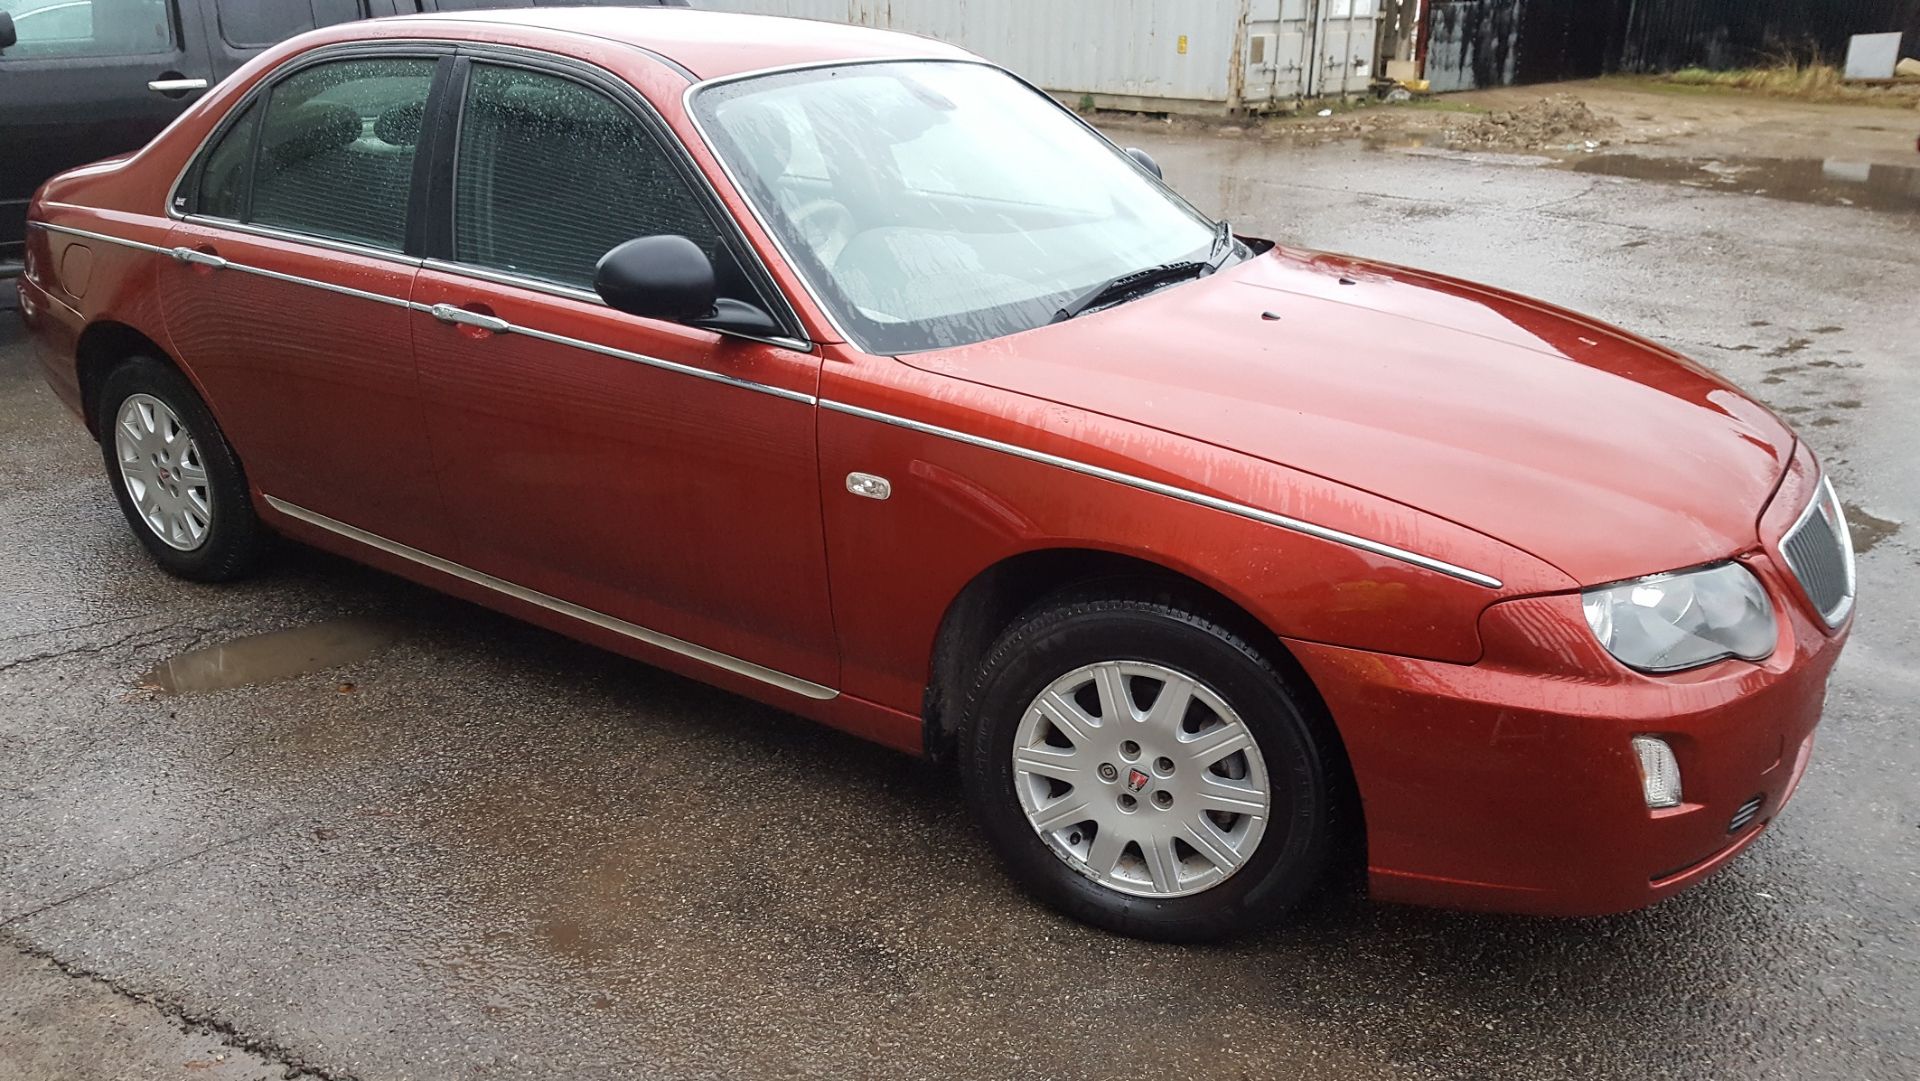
<point x="827" y="225"/>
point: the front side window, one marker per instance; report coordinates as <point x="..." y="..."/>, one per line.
<point x="549" y="175"/>
<point x="333" y="153"/>
<point x="79" y="28"/>
<point x="936" y="204"/>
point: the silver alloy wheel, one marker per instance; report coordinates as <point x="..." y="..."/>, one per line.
<point x="1141" y="778"/>
<point x="166" y="477"/>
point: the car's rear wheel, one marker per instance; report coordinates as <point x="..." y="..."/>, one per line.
<point x="174" y="475"/>
<point x="1146" y="769"/>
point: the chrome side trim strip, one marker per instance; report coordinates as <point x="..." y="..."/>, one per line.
<point x="501" y="326"/>
<point x="1213" y="502"/>
<point x="568" y="292"/>
<point x="268" y="231"/>
<point x="634" y="631"/>
<point x="90" y="235"/>
<point x="1201" y="499"/>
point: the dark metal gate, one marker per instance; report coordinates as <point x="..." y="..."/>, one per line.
<point x="1472" y="43"/>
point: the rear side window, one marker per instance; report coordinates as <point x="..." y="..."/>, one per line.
<point x="333" y="154"/>
<point x="75" y="28"/>
<point x="257" y="23"/>
<point x="549" y="175"/>
<point x="223" y="176"/>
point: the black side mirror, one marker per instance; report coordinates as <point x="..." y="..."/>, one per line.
<point x="8" y="35"/>
<point x="1144" y="160"/>
<point x="669" y="277"/>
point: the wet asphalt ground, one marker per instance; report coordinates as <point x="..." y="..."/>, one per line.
<point x="473" y="849"/>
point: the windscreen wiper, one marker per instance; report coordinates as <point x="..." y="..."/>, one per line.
<point x="1114" y="290"/>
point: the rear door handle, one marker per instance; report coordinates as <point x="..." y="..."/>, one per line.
<point x="447" y="313"/>
<point x="198" y="258"/>
<point x="176" y="86"/>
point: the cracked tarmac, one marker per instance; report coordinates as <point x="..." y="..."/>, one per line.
<point x="479" y="850"/>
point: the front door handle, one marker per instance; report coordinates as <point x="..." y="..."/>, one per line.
<point x="174" y="86"/>
<point x="447" y="313"/>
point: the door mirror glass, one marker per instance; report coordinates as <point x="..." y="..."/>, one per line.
<point x="1144" y="160"/>
<point x="658" y="277"/>
<point x="7" y="36"/>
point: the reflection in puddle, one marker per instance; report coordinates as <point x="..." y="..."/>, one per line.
<point x="1827" y="182"/>
<point x="1867" y="530"/>
<point x="264" y="658"/>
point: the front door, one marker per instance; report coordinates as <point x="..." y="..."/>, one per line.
<point x="293" y="314"/>
<point x="663" y="475"/>
<point x="84" y="80"/>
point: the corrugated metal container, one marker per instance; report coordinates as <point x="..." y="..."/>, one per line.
<point x="1157" y="55"/>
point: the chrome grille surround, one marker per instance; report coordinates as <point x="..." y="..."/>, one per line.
<point x="1819" y="551"/>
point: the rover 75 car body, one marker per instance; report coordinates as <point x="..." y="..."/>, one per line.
<point x="844" y="370"/>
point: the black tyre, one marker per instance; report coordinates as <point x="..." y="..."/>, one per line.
<point x="1145" y="769"/>
<point x="175" y="478"/>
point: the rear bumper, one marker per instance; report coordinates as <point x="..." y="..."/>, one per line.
<point x="1511" y="784"/>
<point x="53" y="331"/>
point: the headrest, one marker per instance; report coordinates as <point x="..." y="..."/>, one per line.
<point x="311" y="130"/>
<point x="400" y="125"/>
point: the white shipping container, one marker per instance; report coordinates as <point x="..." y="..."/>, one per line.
<point x="1153" y="55"/>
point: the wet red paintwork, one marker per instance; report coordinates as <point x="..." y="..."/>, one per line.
<point x="1487" y="730"/>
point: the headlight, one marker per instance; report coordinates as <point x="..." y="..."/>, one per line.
<point x="1667" y="622"/>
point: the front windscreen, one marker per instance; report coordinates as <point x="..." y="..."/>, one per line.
<point x="932" y="204"/>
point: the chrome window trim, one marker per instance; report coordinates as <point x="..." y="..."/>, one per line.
<point x="680" y="646"/>
<point x="348" y="247"/>
<point x="1228" y="506"/>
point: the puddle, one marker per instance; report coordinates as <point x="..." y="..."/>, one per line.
<point x="1826" y="182"/>
<point x="1866" y="530"/>
<point x="265" y="658"/>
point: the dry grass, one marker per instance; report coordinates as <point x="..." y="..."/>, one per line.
<point x="1807" y="82"/>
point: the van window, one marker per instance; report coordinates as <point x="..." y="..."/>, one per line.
<point x="64" y="28"/>
<point x="336" y="148"/>
<point x="257" y="23"/>
<point x="550" y="175"/>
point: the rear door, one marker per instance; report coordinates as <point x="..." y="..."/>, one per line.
<point x="293" y="316"/>
<point x="87" y="79"/>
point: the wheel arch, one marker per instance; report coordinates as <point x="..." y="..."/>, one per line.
<point x="999" y="593"/>
<point x="101" y="347"/>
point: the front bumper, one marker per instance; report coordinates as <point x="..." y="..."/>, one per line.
<point x="1511" y="784"/>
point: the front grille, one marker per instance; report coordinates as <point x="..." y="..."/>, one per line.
<point x="1745" y="814"/>
<point x="1820" y="553"/>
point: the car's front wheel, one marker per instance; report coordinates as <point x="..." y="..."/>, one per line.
<point x="1146" y="769"/>
<point x="173" y="474"/>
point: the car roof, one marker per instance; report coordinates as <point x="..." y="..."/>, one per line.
<point x="712" y="44"/>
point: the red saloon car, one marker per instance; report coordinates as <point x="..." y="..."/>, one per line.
<point x="845" y="370"/>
